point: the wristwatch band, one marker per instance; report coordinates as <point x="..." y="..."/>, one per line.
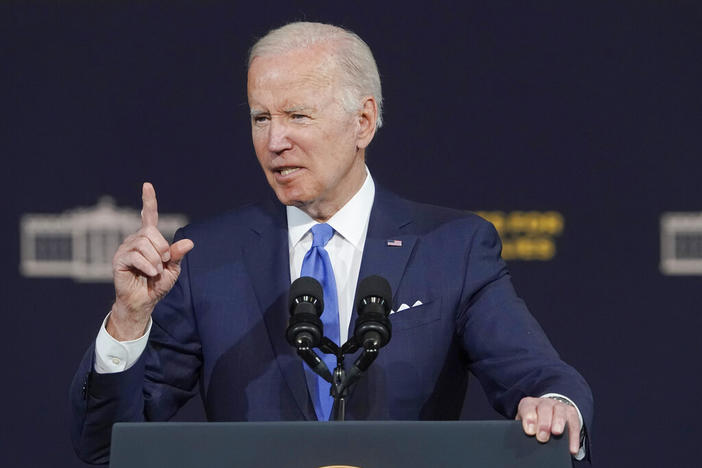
<point x="561" y="399"/>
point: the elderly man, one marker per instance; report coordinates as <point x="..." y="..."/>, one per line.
<point x="218" y="315"/>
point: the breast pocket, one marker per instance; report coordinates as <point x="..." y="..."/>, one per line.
<point x="416" y="316"/>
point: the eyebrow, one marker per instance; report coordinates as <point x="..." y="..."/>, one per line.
<point x="293" y="109"/>
<point x="289" y="110"/>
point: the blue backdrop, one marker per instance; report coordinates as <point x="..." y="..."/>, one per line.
<point x="584" y="114"/>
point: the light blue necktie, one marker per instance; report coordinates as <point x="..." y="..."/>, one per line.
<point x="317" y="265"/>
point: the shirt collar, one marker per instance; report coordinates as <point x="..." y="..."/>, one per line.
<point x="350" y="221"/>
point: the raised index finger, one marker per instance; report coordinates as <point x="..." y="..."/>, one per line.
<point x="149" y="210"/>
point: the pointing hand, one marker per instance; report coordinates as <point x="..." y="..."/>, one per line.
<point x="144" y="268"/>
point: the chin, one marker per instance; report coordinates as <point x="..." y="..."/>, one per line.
<point x="291" y="199"/>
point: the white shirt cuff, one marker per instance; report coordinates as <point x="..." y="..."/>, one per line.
<point x="117" y="356"/>
<point x="581" y="453"/>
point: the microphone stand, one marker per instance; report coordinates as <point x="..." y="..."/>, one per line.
<point x="338" y="391"/>
<point x="341" y="381"/>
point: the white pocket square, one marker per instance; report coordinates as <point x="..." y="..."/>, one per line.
<point x="404" y="306"/>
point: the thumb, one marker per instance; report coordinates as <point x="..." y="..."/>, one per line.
<point x="179" y="249"/>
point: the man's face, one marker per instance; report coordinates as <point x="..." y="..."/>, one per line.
<point x="306" y="143"/>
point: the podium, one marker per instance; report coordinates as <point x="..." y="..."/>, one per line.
<point x="363" y="444"/>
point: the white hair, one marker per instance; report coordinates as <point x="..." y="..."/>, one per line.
<point x="359" y="73"/>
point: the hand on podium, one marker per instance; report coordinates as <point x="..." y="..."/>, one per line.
<point x="542" y="417"/>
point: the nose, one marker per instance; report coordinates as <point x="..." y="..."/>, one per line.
<point x="278" y="138"/>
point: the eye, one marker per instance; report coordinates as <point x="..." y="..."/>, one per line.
<point x="298" y="116"/>
<point x="260" y="119"/>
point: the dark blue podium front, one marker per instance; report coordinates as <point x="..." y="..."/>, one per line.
<point x="367" y="444"/>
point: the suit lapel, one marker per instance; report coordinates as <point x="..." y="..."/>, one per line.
<point x="267" y="259"/>
<point x="390" y="220"/>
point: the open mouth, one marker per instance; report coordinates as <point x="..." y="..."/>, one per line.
<point x="287" y="170"/>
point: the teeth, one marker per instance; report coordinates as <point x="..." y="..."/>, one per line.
<point x="289" y="170"/>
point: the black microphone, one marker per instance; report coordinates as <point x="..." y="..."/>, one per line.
<point x="373" y="329"/>
<point x="305" y="328"/>
<point x="373" y="301"/>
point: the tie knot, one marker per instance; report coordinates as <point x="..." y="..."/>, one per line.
<point x="321" y="233"/>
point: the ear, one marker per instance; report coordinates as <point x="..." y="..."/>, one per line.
<point x="367" y="118"/>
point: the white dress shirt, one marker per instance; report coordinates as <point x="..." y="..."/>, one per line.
<point x="345" y="248"/>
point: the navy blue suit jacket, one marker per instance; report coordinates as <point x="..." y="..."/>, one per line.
<point x="223" y="326"/>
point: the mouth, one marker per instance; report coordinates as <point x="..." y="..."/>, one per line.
<point x="284" y="171"/>
<point x="286" y="174"/>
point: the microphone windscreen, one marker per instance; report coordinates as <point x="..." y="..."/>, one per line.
<point x="306" y="286"/>
<point x="374" y="286"/>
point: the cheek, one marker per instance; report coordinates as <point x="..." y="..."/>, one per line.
<point x="343" y="135"/>
<point x="257" y="138"/>
<point x="260" y="146"/>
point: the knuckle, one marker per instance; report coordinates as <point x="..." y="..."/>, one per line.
<point x="548" y="402"/>
<point x="123" y="247"/>
<point x="526" y="403"/>
<point x="145" y="246"/>
<point x="135" y="256"/>
<point x="126" y="260"/>
<point x="138" y="248"/>
<point x="123" y="251"/>
<point x="156" y="238"/>
<point x="151" y="231"/>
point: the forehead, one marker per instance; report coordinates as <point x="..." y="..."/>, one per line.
<point x="302" y="71"/>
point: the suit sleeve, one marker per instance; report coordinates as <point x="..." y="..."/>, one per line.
<point x="508" y="351"/>
<point x="162" y="380"/>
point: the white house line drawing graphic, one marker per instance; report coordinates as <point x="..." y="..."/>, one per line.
<point x="681" y="243"/>
<point x="80" y="243"/>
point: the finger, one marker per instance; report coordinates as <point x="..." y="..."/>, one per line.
<point x="180" y="248"/>
<point x="527" y="413"/>
<point x="149" y="210"/>
<point x="573" y="431"/>
<point x="560" y="418"/>
<point x="158" y="241"/>
<point x="135" y="260"/>
<point x="148" y="251"/>
<point x="544" y="412"/>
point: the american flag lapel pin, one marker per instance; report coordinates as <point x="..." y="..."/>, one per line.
<point x="394" y="243"/>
